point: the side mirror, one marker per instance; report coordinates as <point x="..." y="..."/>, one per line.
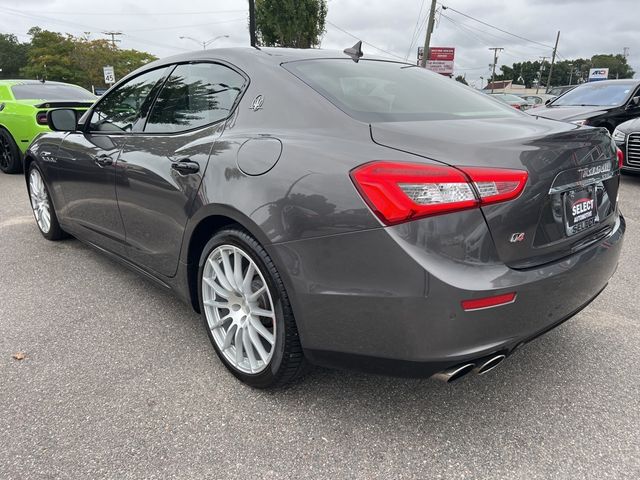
<point x="62" y="120"/>
<point x="633" y="103"/>
<point x="548" y="101"/>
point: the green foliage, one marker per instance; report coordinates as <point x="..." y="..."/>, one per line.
<point x="290" y="23"/>
<point x="566" y="71"/>
<point x="617" y="65"/>
<point x="13" y="55"/>
<point x="65" y="58"/>
<point x="461" y="79"/>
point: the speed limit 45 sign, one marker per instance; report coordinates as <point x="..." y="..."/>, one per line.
<point x="109" y="75"/>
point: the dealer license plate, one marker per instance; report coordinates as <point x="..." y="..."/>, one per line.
<point x="580" y="210"/>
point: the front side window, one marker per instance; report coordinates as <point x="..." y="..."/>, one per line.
<point x="381" y="91"/>
<point x="123" y="108"/>
<point x="193" y="96"/>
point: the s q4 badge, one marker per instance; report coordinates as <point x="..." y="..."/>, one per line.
<point x="257" y="103"/>
<point x="517" y="237"/>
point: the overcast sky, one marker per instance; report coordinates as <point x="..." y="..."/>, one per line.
<point x="587" y="27"/>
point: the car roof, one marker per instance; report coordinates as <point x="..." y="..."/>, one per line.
<point x="13" y="82"/>
<point x="251" y="58"/>
<point x="622" y="81"/>
<point x="275" y="55"/>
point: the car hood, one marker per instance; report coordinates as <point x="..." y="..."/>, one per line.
<point x="568" y="113"/>
<point x="630" y="126"/>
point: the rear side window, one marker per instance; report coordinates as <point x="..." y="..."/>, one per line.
<point x="379" y="91"/>
<point x="50" y="91"/>
<point x="122" y="108"/>
<point x="193" y="96"/>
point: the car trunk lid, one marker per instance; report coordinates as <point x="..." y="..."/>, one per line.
<point x="570" y="197"/>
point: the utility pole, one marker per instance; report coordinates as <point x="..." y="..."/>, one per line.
<point x="553" y="60"/>
<point x="113" y="37"/>
<point x="542" y="59"/>
<point x="427" y="38"/>
<point x="252" y="23"/>
<point x="493" y="65"/>
<point x="570" y="73"/>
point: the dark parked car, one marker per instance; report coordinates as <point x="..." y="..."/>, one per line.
<point x="598" y="104"/>
<point x="627" y="137"/>
<point x="367" y="213"/>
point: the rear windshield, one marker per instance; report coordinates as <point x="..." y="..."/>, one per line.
<point x="507" y="97"/>
<point x="596" y="94"/>
<point x="380" y="91"/>
<point x="50" y="91"/>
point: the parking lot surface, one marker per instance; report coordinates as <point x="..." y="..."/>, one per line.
<point x="119" y="381"/>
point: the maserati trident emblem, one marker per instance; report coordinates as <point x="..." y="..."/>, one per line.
<point x="257" y="103"/>
<point x="517" y="237"/>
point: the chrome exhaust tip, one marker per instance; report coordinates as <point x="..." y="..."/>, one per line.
<point x="488" y="364"/>
<point x="452" y="374"/>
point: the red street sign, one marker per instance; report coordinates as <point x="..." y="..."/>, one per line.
<point x="441" y="53"/>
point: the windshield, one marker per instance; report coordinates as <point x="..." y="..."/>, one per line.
<point x="379" y="91"/>
<point x="50" y="91"/>
<point x="595" y="94"/>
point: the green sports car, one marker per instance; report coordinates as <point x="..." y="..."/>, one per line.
<point x="23" y="114"/>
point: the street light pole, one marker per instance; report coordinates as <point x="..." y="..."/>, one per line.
<point x="205" y="43"/>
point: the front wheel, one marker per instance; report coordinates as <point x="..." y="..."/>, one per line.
<point x="246" y="311"/>
<point x="42" y="207"/>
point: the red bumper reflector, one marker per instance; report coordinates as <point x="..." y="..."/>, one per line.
<point x="488" y="302"/>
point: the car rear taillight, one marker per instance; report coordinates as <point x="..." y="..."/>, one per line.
<point x="517" y="106"/>
<point x="398" y="191"/>
<point x="620" y="158"/>
<point x="41" y="118"/>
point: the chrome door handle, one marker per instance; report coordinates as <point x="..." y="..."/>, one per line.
<point x="185" y="166"/>
<point x="103" y="160"/>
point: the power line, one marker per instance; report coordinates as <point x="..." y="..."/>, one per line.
<point x="84" y="28"/>
<point x="414" y="36"/>
<point x="497" y="37"/>
<point x="177" y="27"/>
<point x="366" y="43"/>
<point x="494" y="27"/>
<point x="128" y="14"/>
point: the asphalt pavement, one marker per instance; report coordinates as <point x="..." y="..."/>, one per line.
<point x="119" y="381"/>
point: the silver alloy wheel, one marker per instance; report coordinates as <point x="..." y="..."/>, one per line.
<point x="239" y="309"/>
<point x="40" y="201"/>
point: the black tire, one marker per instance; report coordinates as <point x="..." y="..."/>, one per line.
<point x="287" y="363"/>
<point x="55" y="232"/>
<point x="10" y="159"/>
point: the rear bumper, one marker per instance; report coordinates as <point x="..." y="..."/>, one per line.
<point x="388" y="300"/>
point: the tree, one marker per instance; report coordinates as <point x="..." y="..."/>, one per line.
<point x="13" y="55"/>
<point x="54" y="56"/>
<point x="617" y="65"/>
<point x="49" y="57"/>
<point x="290" y="23"/>
<point x="461" y="79"/>
<point x="566" y="71"/>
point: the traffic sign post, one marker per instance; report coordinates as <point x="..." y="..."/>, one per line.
<point x="109" y="75"/>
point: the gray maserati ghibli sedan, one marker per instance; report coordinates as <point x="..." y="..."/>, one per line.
<point x="328" y="208"/>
